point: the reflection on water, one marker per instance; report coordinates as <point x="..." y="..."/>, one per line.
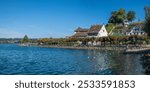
<point x="34" y="60"/>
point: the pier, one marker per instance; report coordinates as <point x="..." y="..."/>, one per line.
<point x="137" y="51"/>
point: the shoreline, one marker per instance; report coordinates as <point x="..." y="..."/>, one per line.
<point x="121" y="48"/>
<point x="137" y="49"/>
<point x="124" y="49"/>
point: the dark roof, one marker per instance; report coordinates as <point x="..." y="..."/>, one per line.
<point x="95" y="29"/>
<point x="83" y="32"/>
<point x="138" y="24"/>
<point x="79" y="29"/>
<point x="80" y="34"/>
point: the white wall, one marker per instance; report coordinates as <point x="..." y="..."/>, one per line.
<point x="103" y="32"/>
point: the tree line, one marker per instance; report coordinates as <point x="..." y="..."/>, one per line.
<point x="117" y="17"/>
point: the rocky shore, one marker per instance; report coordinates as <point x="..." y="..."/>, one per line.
<point x="125" y="48"/>
<point x="121" y="48"/>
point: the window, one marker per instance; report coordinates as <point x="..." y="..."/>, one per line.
<point x="142" y="33"/>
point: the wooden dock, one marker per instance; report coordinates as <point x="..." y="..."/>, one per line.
<point x="137" y="51"/>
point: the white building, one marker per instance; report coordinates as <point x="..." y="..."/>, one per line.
<point x="136" y="30"/>
<point x="133" y="28"/>
<point x="93" y="31"/>
<point x="97" y="31"/>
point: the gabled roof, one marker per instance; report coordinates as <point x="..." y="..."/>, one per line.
<point x="138" y="24"/>
<point x="80" y="34"/>
<point x="79" y="29"/>
<point x="95" y="29"/>
<point x="83" y="32"/>
<point x="129" y="28"/>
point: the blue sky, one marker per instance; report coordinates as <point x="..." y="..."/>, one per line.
<point x="59" y="18"/>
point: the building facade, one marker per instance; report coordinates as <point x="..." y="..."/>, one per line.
<point x="94" y="31"/>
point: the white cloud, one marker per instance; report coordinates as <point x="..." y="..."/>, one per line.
<point x="6" y="33"/>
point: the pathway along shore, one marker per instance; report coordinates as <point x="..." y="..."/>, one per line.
<point x="130" y="50"/>
<point x="127" y="49"/>
<point x="122" y="48"/>
<point x="137" y="51"/>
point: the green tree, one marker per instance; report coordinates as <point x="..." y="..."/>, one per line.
<point x="117" y="17"/>
<point x="25" y="39"/>
<point x="121" y="15"/>
<point x="110" y="27"/>
<point x="131" y="16"/>
<point x="147" y="11"/>
<point x="147" y="20"/>
<point x="147" y="26"/>
<point x="113" y="17"/>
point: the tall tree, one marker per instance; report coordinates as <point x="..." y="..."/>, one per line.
<point x="147" y="12"/>
<point x="25" y="39"/>
<point x="131" y="16"/>
<point x="122" y="13"/>
<point x="147" y="26"/>
<point x="117" y="17"/>
<point x="113" y="17"/>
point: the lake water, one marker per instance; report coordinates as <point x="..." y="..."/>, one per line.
<point x="15" y="59"/>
